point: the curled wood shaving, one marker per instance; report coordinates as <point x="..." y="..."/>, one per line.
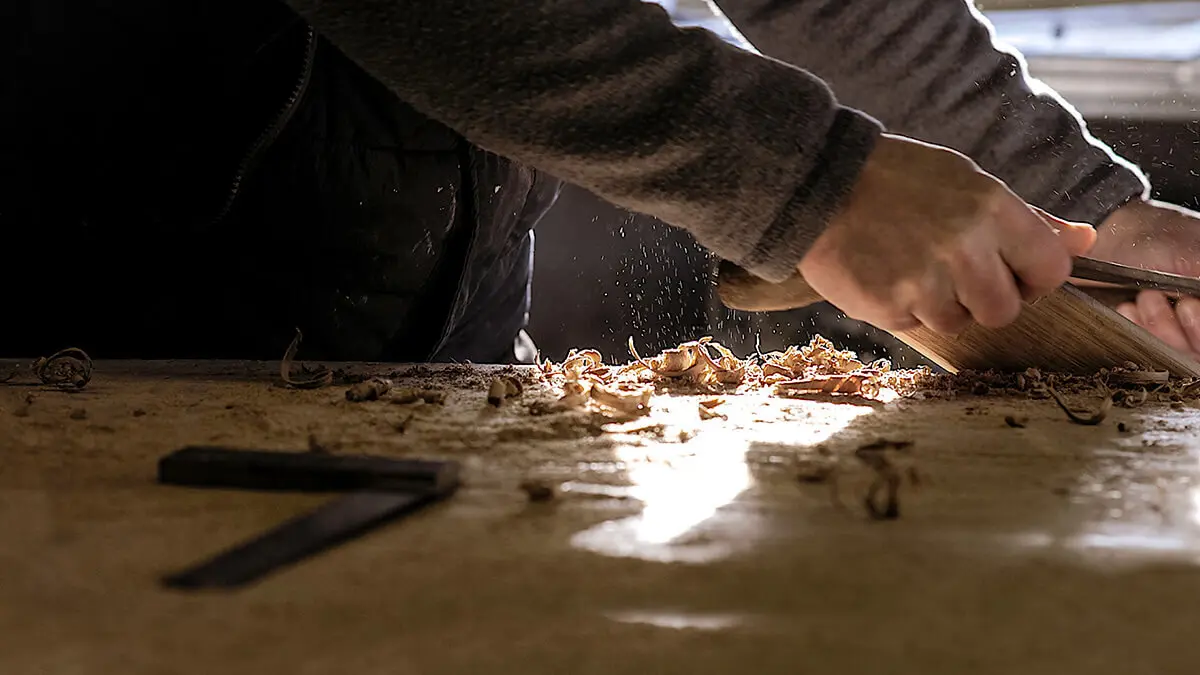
<point x="630" y="399"/>
<point x="692" y="361"/>
<point x="69" y="368"/>
<point x="817" y="359"/>
<point x="1090" y="419"/>
<point x="307" y="379"/>
<point x="580" y="363"/>
<point x="681" y="361"/>
<point x="865" y="384"/>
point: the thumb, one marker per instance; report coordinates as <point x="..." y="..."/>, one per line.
<point x="1079" y="238"/>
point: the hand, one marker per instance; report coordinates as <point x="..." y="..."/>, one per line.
<point x="926" y="237"/>
<point x="1158" y="236"/>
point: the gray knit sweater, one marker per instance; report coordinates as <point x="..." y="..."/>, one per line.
<point x="749" y="154"/>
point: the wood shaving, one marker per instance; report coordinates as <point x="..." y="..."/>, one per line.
<point x="369" y="390"/>
<point x="690" y="362"/>
<point x="1089" y="419"/>
<point x="1127" y="399"/>
<point x="864" y="383"/>
<point x="69" y="369"/>
<point x="502" y="389"/>
<point x="306" y="378"/>
<point x="631" y="399"/>
<point x="407" y="395"/>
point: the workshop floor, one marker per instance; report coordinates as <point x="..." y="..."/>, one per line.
<point x="684" y="548"/>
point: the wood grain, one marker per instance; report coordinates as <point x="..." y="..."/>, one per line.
<point x="1066" y="331"/>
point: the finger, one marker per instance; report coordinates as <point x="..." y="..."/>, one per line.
<point x="863" y="307"/>
<point x="1129" y="310"/>
<point x="897" y="324"/>
<point x="936" y="305"/>
<point x="986" y="287"/>
<point x="1159" y="318"/>
<point x="880" y="316"/>
<point x="1079" y="238"/>
<point x="1038" y="258"/>
<point x="1188" y="312"/>
<point x="948" y="318"/>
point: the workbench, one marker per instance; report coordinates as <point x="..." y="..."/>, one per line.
<point x="675" y="545"/>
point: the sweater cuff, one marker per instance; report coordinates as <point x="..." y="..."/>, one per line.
<point x="1105" y="189"/>
<point x="850" y="140"/>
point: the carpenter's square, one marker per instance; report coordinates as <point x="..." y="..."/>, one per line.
<point x="383" y="489"/>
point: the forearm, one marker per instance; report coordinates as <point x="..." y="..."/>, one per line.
<point x="749" y="154"/>
<point x="930" y="69"/>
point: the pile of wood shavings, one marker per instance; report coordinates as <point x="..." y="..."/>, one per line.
<point x="706" y="367"/>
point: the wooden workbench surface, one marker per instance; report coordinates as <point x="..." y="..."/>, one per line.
<point x="688" y="547"/>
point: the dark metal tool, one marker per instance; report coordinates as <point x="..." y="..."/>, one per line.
<point x="1133" y="277"/>
<point x="386" y="489"/>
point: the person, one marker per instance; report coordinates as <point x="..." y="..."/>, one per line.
<point x="203" y="176"/>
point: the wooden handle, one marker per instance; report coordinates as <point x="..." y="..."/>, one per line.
<point x="739" y="289"/>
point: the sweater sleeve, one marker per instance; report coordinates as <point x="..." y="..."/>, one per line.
<point x="932" y="69"/>
<point x="749" y="154"/>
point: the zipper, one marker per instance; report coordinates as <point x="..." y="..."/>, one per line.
<point x="273" y="129"/>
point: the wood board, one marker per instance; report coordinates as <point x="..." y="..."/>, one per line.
<point x="1066" y="331"/>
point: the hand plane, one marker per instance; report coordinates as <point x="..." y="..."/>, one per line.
<point x="1066" y="331"/>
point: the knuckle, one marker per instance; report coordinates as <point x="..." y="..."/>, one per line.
<point x="1002" y="312"/>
